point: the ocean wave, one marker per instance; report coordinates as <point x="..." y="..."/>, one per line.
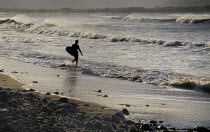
<point x="143" y="18"/>
<point x="193" y="19"/>
<point x="155" y="77"/>
<point x="113" y="17"/>
<point x="191" y="84"/>
<point x="52" y="29"/>
<point x="186" y="18"/>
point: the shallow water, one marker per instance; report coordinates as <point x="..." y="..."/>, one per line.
<point x="49" y="34"/>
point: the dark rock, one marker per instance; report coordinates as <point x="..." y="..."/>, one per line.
<point x="66" y="105"/>
<point x="58" y="75"/>
<point x="48" y="93"/>
<point x="160" y="121"/>
<point x="114" y="126"/>
<point x="109" y="128"/>
<point x="200" y="129"/>
<point x="31" y="90"/>
<point x="133" y="129"/>
<point x="152" y="122"/>
<point x="45" y="101"/>
<point x="15" y="72"/>
<point x="105" y="96"/>
<point x="99" y="91"/>
<point x="56" y="93"/>
<point x="47" y="109"/>
<point x="129" y="122"/>
<point x="63" y="100"/>
<point x="98" y="125"/>
<point x="24" y="90"/>
<point x="2" y="70"/>
<point x="145" y="127"/>
<point x="4" y="96"/>
<point x="116" y="118"/>
<point x="30" y="95"/>
<point x="87" y="105"/>
<point x="62" y="111"/>
<point x="89" y="125"/>
<point x="147" y="105"/>
<point x="138" y="124"/>
<point x="35" y="81"/>
<point x="74" y="104"/>
<point x="120" y="114"/>
<point x="125" y="111"/>
<point x="108" y="118"/>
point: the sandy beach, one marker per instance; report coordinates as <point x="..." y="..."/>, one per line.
<point x="110" y="116"/>
<point x="38" y="112"/>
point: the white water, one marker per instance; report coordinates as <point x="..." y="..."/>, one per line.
<point x="159" y="44"/>
<point x="153" y="48"/>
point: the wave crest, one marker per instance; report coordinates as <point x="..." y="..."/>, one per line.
<point x="193" y="19"/>
<point x="113" y="17"/>
<point x="52" y="29"/>
<point x="191" y="84"/>
<point x="143" y="18"/>
<point x="187" y="18"/>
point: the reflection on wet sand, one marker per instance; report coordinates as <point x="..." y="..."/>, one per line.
<point x="70" y="83"/>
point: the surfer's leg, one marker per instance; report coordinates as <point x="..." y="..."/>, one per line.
<point x="76" y="59"/>
<point x="73" y="61"/>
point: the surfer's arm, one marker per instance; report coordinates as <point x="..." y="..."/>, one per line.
<point x="80" y="51"/>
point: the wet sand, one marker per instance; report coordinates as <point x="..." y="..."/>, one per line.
<point x="24" y="110"/>
<point x="88" y="107"/>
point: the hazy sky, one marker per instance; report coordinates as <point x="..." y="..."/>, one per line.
<point x="37" y="4"/>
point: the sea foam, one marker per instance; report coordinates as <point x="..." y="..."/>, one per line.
<point x="52" y="29"/>
<point x="193" y="19"/>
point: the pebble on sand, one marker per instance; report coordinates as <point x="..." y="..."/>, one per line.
<point x="35" y="81"/>
<point x="105" y="96"/>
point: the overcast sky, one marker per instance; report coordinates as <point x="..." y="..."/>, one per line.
<point x="52" y="4"/>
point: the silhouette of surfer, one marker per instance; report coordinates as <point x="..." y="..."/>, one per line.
<point x="73" y="50"/>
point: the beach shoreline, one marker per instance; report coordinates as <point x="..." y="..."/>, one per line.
<point x="7" y="81"/>
<point x="81" y="87"/>
<point x="11" y="85"/>
<point x="14" y="98"/>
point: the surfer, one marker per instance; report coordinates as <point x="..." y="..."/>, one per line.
<point x="73" y="50"/>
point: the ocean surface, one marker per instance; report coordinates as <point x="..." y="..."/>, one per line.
<point x="169" y="51"/>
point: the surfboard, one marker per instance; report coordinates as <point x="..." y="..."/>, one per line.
<point x="69" y="50"/>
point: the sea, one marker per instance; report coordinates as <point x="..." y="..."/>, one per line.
<point x="170" y="51"/>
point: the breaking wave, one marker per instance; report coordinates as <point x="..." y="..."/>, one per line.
<point x="186" y="18"/>
<point x="113" y="17"/>
<point x="154" y="77"/>
<point x="142" y="18"/>
<point x="52" y="29"/>
<point x="191" y="84"/>
<point x="193" y="19"/>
